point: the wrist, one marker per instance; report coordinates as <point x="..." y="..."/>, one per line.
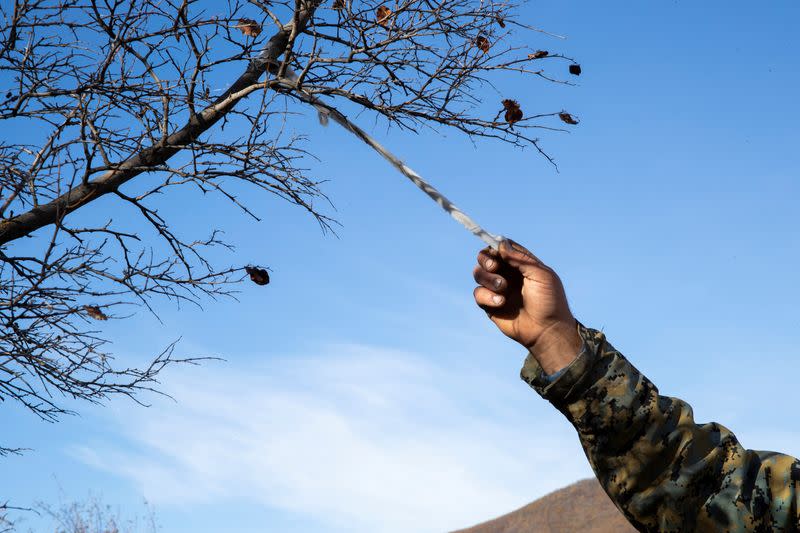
<point x="557" y="346"/>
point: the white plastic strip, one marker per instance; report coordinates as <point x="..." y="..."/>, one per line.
<point x="459" y="216"/>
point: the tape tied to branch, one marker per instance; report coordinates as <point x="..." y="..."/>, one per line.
<point x="328" y="112"/>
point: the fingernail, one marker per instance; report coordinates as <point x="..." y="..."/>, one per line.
<point x="497" y="299"/>
<point x="489" y="263"/>
<point x="497" y="283"/>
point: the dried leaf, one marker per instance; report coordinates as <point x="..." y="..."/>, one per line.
<point x="575" y="69"/>
<point x="482" y="43"/>
<point x="323" y="115"/>
<point x="501" y="22"/>
<point x="566" y="117"/>
<point x="538" y="54"/>
<point x="249" y="27"/>
<point x="259" y="276"/>
<point x="9" y="95"/>
<point x="95" y="312"/>
<point x="513" y="111"/>
<point x="382" y="14"/>
<point x="339" y="4"/>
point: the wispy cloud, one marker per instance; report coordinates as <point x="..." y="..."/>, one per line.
<point x="356" y="437"/>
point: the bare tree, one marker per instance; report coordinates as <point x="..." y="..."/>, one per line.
<point x="7" y="524"/>
<point x="110" y="106"/>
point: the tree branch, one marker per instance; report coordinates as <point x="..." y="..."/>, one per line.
<point x="153" y="156"/>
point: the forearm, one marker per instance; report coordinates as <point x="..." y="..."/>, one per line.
<point x="665" y="472"/>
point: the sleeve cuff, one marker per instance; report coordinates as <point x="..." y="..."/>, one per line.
<point x="552" y="377"/>
<point x="566" y="384"/>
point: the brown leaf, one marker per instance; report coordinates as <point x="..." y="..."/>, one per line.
<point x="538" y="54"/>
<point x="249" y="27"/>
<point x="566" y="117"/>
<point x="513" y="112"/>
<point x="339" y="4"/>
<point x="382" y="14"/>
<point x="501" y="22"/>
<point x="259" y="276"/>
<point x="575" y="69"/>
<point x="95" y="312"/>
<point x="482" y="43"/>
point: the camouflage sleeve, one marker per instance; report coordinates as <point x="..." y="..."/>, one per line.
<point x="664" y="471"/>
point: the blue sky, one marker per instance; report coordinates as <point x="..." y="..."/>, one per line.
<point x="363" y="391"/>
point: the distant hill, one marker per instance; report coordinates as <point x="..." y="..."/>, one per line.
<point x="582" y="506"/>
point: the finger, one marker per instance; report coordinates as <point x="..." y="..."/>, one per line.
<point x="519" y="257"/>
<point x="488" y="258"/>
<point x="493" y="282"/>
<point x="510" y="249"/>
<point x="487" y="299"/>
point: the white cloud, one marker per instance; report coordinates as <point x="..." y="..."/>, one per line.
<point x="356" y="437"/>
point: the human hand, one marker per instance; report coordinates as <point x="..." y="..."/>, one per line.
<point x="526" y="301"/>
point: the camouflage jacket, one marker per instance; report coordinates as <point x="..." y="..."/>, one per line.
<point x="662" y="470"/>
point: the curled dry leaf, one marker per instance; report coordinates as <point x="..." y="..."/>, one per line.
<point x="382" y="14"/>
<point x="323" y="116"/>
<point x="566" y="117"/>
<point x="575" y="69"/>
<point x="538" y="54"/>
<point x="249" y="27"/>
<point x="501" y="22"/>
<point x="513" y="111"/>
<point x="482" y="43"/>
<point x="259" y="276"/>
<point x="339" y="4"/>
<point x="95" y="312"/>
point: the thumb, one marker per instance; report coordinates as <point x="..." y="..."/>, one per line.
<point x="520" y="257"/>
